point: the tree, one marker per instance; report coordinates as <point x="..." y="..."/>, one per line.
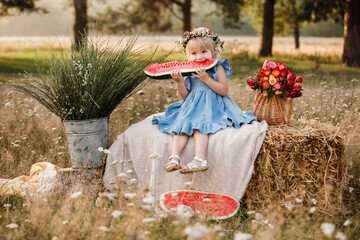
<point x="9" y="7"/>
<point x="351" y="54"/>
<point x="158" y="16"/>
<point x="267" y="29"/>
<point x="347" y="11"/>
<point x="80" y="24"/>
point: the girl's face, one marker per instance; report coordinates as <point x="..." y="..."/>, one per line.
<point x="200" y="54"/>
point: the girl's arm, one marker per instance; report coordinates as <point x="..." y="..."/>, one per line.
<point x="220" y="86"/>
<point x="181" y="88"/>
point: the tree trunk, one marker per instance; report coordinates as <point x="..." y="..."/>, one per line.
<point x="80" y="25"/>
<point x="351" y="54"/>
<point x="186" y="9"/>
<point x="268" y="29"/>
<point x="296" y="24"/>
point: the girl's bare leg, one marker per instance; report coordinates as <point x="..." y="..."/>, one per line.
<point x="177" y="146"/>
<point x="201" y="144"/>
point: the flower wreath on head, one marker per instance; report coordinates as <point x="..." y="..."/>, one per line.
<point x="181" y="44"/>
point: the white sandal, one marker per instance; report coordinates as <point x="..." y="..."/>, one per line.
<point x="195" y="168"/>
<point x="177" y="162"/>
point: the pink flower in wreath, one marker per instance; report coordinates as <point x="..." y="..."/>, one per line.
<point x="271" y="65"/>
<point x="277" y="86"/>
<point x="185" y="33"/>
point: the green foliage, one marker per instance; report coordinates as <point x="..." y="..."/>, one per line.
<point x="7" y="7"/>
<point x="230" y="12"/>
<point x="317" y="10"/>
<point x="89" y="83"/>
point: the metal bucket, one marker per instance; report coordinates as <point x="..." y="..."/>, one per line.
<point x="84" y="139"/>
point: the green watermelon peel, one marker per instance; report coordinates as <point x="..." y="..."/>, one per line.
<point x="187" y="68"/>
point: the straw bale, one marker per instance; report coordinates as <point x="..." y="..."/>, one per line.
<point x="302" y="160"/>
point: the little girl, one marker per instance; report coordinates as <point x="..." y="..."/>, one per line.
<point x="205" y="106"/>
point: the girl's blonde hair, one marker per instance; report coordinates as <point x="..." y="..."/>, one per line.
<point x="197" y="43"/>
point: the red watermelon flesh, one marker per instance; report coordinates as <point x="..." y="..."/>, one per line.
<point x="163" y="70"/>
<point x="216" y="206"/>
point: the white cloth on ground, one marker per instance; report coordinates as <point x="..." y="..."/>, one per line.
<point x="231" y="155"/>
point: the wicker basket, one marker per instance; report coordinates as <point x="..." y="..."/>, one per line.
<point x="276" y="111"/>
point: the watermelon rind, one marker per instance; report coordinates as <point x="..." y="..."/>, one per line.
<point x="162" y="198"/>
<point x="184" y="72"/>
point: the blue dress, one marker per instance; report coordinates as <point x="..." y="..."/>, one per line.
<point x="203" y="109"/>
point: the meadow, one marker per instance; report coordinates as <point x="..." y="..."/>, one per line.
<point x="29" y="133"/>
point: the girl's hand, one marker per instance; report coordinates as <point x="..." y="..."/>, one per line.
<point x="202" y="74"/>
<point x="176" y="75"/>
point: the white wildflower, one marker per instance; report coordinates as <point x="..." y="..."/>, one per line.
<point x="11" y="186"/>
<point x="129" y="171"/>
<point x="347" y="223"/>
<point x="148" y="208"/>
<point x="298" y="200"/>
<point x="198" y="231"/>
<point x="258" y="216"/>
<point x="100" y="149"/>
<point x="155" y="156"/>
<point x="123" y="175"/>
<point x="351" y="189"/>
<point x="218" y="228"/>
<point x="183" y="211"/>
<point x="7" y="205"/>
<point x="54" y="238"/>
<point x="114" y="162"/>
<point x="148" y="220"/>
<point x="12" y="225"/>
<point x="271" y="226"/>
<point x="131" y="205"/>
<point x="45" y="200"/>
<point x="106" y="151"/>
<point x="53" y="129"/>
<point x="289" y="206"/>
<point x="0" y="216"/>
<point x="242" y="236"/>
<point x="327" y="229"/>
<point x="110" y="196"/>
<point x="312" y="210"/>
<point x="149" y="200"/>
<point x="117" y="214"/>
<point x="65" y="222"/>
<point x="133" y="180"/>
<point x="75" y="195"/>
<point x="250" y="212"/>
<point x="340" y="235"/>
<point x="314" y="201"/>
<point x="27" y="220"/>
<point x="187" y="184"/>
<point x="8" y="104"/>
<point x="103" y="228"/>
<point x="130" y="195"/>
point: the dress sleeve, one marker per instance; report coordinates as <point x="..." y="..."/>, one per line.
<point x="187" y="83"/>
<point x="226" y="65"/>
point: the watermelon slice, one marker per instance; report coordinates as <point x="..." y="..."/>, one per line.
<point x="215" y="205"/>
<point x="163" y="70"/>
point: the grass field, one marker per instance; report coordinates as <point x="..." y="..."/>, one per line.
<point x="30" y="133"/>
